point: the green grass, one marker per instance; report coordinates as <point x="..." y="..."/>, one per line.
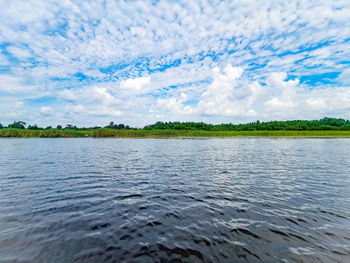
<point x="112" y="133"/>
<point x="199" y="133"/>
<point x="51" y="133"/>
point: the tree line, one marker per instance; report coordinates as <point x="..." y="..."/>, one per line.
<point x="22" y="125"/>
<point x="322" y="124"/>
<point x="302" y="125"/>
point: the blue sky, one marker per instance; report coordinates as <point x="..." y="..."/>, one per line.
<point x="138" y="62"/>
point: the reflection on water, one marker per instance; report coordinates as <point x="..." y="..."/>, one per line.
<point x="189" y="200"/>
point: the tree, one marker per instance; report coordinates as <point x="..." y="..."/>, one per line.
<point x="17" y="125"/>
<point x="69" y="126"/>
<point x="33" y="127"/>
<point x="1" y="126"/>
<point x="59" y="127"/>
<point x="121" y="126"/>
<point x="111" y="125"/>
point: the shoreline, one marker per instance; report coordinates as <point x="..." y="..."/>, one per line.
<point x="159" y="134"/>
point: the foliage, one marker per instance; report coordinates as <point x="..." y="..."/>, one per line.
<point x="107" y="132"/>
<point x="69" y="126"/>
<point x="49" y="133"/>
<point x="17" y="125"/>
<point x="34" y="127"/>
<point x="301" y="125"/>
<point x="324" y="127"/>
<point x="117" y="126"/>
<point x="133" y="133"/>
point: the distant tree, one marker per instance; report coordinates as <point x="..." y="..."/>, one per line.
<point x="111" y="125"/>
<point x="1" y="126"/>
<point x="59" y="127"/>
<point x="69" y="126"/>
<point x="120" y="126"/>
<point x="48" y="127"/>
<point x="323" y="124"/>
<point x="17" y="125"/>
<point x="33" y="127"/>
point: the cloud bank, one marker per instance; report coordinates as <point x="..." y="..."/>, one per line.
<point x="92" y="62"/>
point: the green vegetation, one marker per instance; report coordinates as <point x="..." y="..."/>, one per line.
<point x="326" y="127"/>
<point x="200" y="133"/>
<point x="17" y="125"/>
<point x="296" y="125"/>
<point x="44" y="133"/>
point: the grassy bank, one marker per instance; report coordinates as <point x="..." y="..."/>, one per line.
<point x="199" y="133"/>
<point x="112" y="133"/>
<point x="50" y="133"/>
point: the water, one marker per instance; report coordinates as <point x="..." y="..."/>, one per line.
<point x="175" y="200"/>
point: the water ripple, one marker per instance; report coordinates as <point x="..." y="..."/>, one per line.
<point x="211" y="200"/>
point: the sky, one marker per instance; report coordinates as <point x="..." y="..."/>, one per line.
<point x="138" y="62"/>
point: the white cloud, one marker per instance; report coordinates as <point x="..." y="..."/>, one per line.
<point x="283" y="92"/>
<point x="101" y="94"/>
<point x="20" y="53"/>
<point x="117" y="38"/>
<point x="172" y="105"/>
<point x="136" y="85"/>
<point x="316" y="103"/>
<point x="278" y="104"/>
<point x="344" y="77"/>
<point x="277" y="99"/>
<point x="74" y="108"/>
<point x="103" y="103"/>
<point x="67" y="94"/>
<point x="3" y="60"/>
<point x="15" y="85"/>
<point x="225" y="96"/>
<point x="336" y="100"/>
<point x="183" y="97"/>
<point x="137" y="56"/>
<point x="104" y="111"/>
<point x="46" y="111"/>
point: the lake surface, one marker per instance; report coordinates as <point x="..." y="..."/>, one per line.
<point x="175" y="200"/>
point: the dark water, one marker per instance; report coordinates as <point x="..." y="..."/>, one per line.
<point x="173" y="200"/>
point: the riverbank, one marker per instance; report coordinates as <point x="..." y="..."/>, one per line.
<point x="112" y="133"/>
<point x="50" y="133"/>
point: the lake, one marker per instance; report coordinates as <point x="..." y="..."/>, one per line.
<point x="175" y="200"/>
